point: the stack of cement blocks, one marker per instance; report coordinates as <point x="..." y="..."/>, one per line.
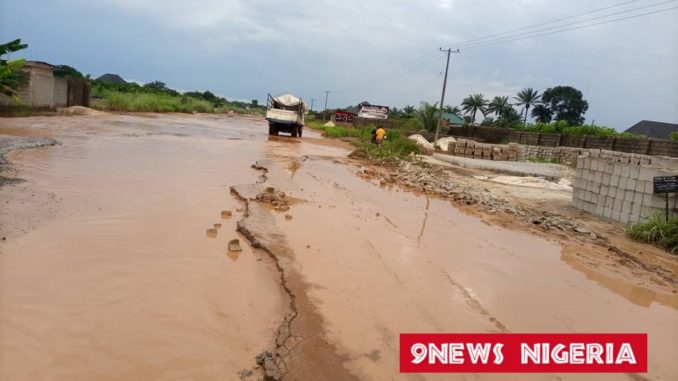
<point x="619" y="185"/>
<point x="485" y="151"/>
<point x="562" y="155"/>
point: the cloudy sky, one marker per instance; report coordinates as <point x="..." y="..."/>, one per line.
<point x="385" y="52"/>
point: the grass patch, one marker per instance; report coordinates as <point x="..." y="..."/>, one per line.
<point x="656" y="230"/>
<point x="395" y="147"/>
<point x="149" y="102"/>
<point x="542" y="160"/>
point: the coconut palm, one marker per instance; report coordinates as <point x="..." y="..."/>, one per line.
<point x="474" y="103"/>
<point x="527" y="98"/>
<point x="499" y="106"/>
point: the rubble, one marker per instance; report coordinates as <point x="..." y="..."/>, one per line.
<point x="276" y="198"/>
<point x="433" y="180"/>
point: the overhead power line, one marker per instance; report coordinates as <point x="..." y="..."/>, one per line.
<point x="559" y="27"/>
<point x="547" y="22"/>
<point x="488" y="43"/>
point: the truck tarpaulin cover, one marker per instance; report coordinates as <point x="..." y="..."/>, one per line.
<point x="289" y="102"/>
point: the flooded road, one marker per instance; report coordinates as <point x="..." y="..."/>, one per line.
<point x="109" y="271"/>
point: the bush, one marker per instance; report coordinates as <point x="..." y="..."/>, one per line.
<point x="562" y="127"/>
<point x="656" y="230"/>
<point x="148" y="102"/>
<point x="674" y="136"/>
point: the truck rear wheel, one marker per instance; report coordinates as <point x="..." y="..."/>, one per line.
<point x="300" y="128"/>
<point x="272" y="129"/>
<point x="294" y="131"/>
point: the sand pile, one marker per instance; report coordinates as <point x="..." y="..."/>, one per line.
<point x="80" y="110"/>
<point x="421" y="141"/>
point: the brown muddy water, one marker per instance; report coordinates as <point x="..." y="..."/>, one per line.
<point x="114" y="269"/>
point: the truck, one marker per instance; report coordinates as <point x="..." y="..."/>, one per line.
<point x="285" y="113"/>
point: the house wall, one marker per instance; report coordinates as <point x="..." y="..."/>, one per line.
<point x="43" y="91"/>
<point x="40" y="86"/>
<point x="60" y="92"/>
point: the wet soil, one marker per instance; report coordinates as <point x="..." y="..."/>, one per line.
<point x="114" y="266"/>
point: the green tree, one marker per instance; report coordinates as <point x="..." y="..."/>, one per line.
<point x="452" y="109"/>
<point x="566" y="103"/>
<point x="427" y="116"/>
<point x="66" y="71"/>
<point x="527" y="98"/>
<point x="394" y="112"/>
<point x="542" y="114"/>
<point x="255" y="103"/>
<point x="408" y="110"/>
<point x="498" y="106"/>
<point x="11" y="73"/>
<point x="474" y="103"/>
<point x="674" y="136"/>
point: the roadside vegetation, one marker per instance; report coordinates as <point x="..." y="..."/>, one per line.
<point x="396" y="146"/>
<point x="656" y="230"/>
<point x="11" y="73"/>
<point x="559" y="109"/>
<point x="157" y="97"/>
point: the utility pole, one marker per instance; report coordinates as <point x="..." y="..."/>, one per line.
<point x="327" y="93"/>
<point x="442" y="96"/>
<point x="312" y="99"/>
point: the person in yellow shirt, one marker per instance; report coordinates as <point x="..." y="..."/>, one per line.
<point x="379" y="135"/>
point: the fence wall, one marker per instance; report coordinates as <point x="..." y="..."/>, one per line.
<point x="655" y="147"/>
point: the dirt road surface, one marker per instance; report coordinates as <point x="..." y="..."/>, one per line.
<point x="112" y="267"/>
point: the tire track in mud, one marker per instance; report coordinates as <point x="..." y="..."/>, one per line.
<point x="301" y="350"/>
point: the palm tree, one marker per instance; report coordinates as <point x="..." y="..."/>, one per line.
<point x="408" y="110"/>
<point x="427" y="116"/>
<point x="452" y="110"/>
<point x="528" y="98"/>
<point x="499" y="106"/>
<point x="474" y="103"/>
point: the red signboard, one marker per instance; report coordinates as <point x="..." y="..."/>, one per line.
<point x="523" y="353"/>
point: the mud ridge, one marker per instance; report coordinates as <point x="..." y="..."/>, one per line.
<point x="274" y="365"/>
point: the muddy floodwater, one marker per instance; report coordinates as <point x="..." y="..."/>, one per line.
<point x="116" y="265"/>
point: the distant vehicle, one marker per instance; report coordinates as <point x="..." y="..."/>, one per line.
<point x="285" y="113"/>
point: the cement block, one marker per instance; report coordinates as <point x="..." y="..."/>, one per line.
<point x="614" y="180"/>
<point x="626" y="171"/>
<point x="618" y="204"/>
<point x="631" y="184"/>
<point x="607" y="213"/>
<point x="626" y="207"/>
<point x="629" y="195"/>
<point x="616" y="216"/>
<point x="635" y="210"/>
<point x="649" y="187"/>
<point x="638" y="198"/>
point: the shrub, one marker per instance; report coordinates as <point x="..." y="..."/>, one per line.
<point x="656" y="230"/>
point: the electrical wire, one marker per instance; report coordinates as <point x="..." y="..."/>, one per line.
<point x="558" y="27"/>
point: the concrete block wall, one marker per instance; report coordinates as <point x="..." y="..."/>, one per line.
<point x="618" y="185"/>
